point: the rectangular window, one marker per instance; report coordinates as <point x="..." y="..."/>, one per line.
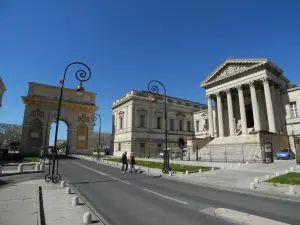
<point x="158" y="125"/>
<point x="188" y="126"/>
<point x="121" y="122"/>
<point x="206" y="124"/>
<point x="119" y="147"/>
<point x="171" y="124"/>
<point x="142" y="121"/>
<point x="294" y="109"/>
<point x="197" y="125"/>
<point x="181" y="125"/>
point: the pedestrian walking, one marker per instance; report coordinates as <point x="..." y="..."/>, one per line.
<point x="132" y="163"/>
<point x="124" y="162"/>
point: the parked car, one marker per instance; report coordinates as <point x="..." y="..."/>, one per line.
<point x="285" y="153"/>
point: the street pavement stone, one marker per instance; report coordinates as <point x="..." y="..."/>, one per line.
<point x="18" y="205"/>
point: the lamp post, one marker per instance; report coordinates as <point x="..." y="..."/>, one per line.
<point x="153" y="88"/>
<point x="94" y="118"/>
<point x="46" y="135"/>
<point x="82" y="75"/>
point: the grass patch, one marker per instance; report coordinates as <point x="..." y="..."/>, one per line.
<point x="159" y="165"/>
<point x="31" y="159"/>
<point x="289" y="178"/>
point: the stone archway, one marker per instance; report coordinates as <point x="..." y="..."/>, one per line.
<point x="41" y="103"/>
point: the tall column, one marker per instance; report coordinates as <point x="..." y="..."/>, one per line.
<point x="276" y="112"/>
<point x="210" y="116"/>
<point x="281" y="112"/>
<point x="269" y="105"/>
<point x="215" y="118"/>
<point x="255" y="108"/>
<point x="242" y="110"/>
<point x="220" y="115"/>
<point x="230" y="112"/>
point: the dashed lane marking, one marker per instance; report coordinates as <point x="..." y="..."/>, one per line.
<point x="167" y="197"/>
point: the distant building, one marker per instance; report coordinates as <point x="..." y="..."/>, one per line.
<point x="2" y="90"/>
<point x="60" y="142"/>
<point x="139" y="125"/>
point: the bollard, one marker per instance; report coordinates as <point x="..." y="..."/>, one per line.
<point x="75" y="201"/>
<point x="222" y="167"/>
<point x="247" y="162"/>
<point x="200" y="170"/>
<point x="277" y="174"/>
<point x="212" y="169"/>
<point x="292" y="169"/>
<point x="42" y="166"/>
<point x="68" y="190"/>
<point x="291" y="190"/>
<point x="87" y="218"/>
<point x="256" y="180"/>
<point x="170" y="173"/>
<point x="62" y="183"/>
<point x="20" y="168"/>
<point x="187" y="172"/>
<point x="252" y="185"/>
<point x="239" y="165"/>
<point x="298" y="167"/>
<point x="37" y="167"/>
<point x="267" y="177"/>
<point x="286" y="171"/>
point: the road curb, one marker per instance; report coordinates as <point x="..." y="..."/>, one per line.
<point x="87" y="203"/>
<point x="244" y="218"/>
<point x="19" y="173"/>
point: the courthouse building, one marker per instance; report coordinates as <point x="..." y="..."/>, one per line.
<point x="2" y="90"/>
<point x="249" y="103"/>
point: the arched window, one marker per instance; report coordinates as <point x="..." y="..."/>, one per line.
<point x="82" y="136"/>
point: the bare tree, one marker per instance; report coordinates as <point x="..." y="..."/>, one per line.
<point x="9" y="133"/>
<point x="105" y="140"/>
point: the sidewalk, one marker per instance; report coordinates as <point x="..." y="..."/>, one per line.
<point x="19" y="205"/>
<point x="57" y="205"/>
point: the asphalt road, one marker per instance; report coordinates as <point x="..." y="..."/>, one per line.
<point x="138" y="199"/>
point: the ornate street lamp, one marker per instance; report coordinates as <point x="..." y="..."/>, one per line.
<point x="153" y="88"/>
<point x="46" y="133"/>
<point x="82" y="76"/>
<point x="94" y="118"/>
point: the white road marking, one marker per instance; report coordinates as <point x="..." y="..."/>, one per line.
<point x="167" y="197"/>
<point x="96" y="171"/>
<point x="209" y="211"/>
<point x="104" y="174"/>
<point x="120" y="180"/>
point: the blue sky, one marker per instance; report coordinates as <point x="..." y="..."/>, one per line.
<point x="128" y="43"/>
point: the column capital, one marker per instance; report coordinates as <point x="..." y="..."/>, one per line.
<point x="228" y="91"/>
<point x="239" y="87"/>
<point x="251" y="83"/>
<point x="218" y="94"/>
<point x="208" y="96"/>
<point x="266" y="80"/>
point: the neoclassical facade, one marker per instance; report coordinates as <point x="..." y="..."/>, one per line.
<point x="41" y="104"/>
<point x="2" y="90"/>
<point x="139" y="124"/>
<point x="250" y="104"/>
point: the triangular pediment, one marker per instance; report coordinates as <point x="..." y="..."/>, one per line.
<point x="230" y="68"/>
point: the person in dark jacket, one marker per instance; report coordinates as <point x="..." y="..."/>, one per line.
<point x="132" y="163"/>
<point x="124" y="161"/>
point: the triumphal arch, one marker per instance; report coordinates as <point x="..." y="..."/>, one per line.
<point x="41" y="105"/>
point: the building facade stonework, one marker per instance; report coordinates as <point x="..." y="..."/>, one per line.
<point x="139" y="124"/>
<point x="249" y="104"/>
<point x="41" y="104"/>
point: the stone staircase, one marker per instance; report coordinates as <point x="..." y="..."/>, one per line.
<point x="243" y="148"/>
